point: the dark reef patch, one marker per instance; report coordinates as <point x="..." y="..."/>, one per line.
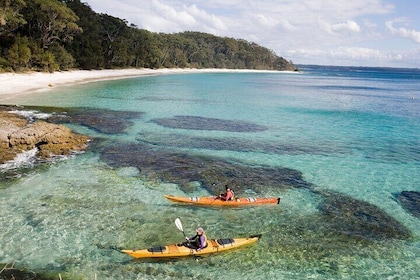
<point x="101" y="120"/>
<point x="182" y="169"/>
<point x="233" y="144"/>
<point x="359" y="219"/>
<point x="410" y="201"/>
<point x="201" y="123"/>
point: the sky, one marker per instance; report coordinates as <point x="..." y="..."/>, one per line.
<point x="383" y="33"/>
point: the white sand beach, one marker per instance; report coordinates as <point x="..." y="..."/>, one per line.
<point x="13" y="84"/>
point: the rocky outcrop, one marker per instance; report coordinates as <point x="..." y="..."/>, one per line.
<point x="17" y="134"/>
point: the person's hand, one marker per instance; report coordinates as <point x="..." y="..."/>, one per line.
<point x="198" y="250"/>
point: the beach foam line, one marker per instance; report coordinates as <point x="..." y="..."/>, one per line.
<point x="12" y="84"/>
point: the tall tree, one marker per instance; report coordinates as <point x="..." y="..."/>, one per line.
<point x="143" y="48"/>
<point x="52" y="20"/>
<point x="115" y="39"/>
<point x="19" y="54"/>
<point x="86" y="47"/>
<point x="10" y="18"/>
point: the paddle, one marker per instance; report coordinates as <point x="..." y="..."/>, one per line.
<point x="179" y="225"/>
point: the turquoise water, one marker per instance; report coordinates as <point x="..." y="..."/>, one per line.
<point x="349" y="131"/>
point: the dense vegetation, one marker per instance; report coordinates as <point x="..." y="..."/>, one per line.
<point x="51" y="35"/>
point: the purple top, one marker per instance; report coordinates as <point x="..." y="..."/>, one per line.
<point x="201" y="238"/>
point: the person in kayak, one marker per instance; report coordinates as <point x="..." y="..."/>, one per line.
<point x="228" y="195"/>
<point x="197" y="242"/>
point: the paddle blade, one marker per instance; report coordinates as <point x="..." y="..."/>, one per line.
<point x="179" y="224"/>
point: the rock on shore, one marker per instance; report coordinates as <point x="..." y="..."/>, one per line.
<point x="18" y="134"/>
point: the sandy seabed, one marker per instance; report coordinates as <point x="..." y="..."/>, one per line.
<point x="13" y="84"/>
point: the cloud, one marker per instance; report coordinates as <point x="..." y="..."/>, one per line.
<point x="412" y="35"/>
<point x="357" y="53"/>
<point x="342" y="27"/>
<point x="265" y="20"/>
<point x="357" y="56"/>
<point x="350" y="26"/>
<point x="183" y="18"/>
<point x="210" y="21"/>
<point x="170" y="14"/>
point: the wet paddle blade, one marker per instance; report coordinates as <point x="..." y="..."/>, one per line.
<point x="179" y="224"/>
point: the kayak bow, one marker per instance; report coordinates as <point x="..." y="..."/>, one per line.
<point x="179" y="250"/>
<point x="214" y="201"/>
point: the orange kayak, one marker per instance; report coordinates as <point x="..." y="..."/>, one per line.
<point x="179" y="250"/>
<point x="214" y="201"/>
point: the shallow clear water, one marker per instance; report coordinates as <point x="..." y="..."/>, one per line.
<point x="354" y="131"/>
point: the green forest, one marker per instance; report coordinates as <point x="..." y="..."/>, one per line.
<point x="59" y="35"/>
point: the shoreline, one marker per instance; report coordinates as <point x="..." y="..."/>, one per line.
<point x="14" y="84"/>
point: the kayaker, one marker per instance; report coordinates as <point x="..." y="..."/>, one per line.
<point x="228" y="195"/>
<point x="198" y="241"/>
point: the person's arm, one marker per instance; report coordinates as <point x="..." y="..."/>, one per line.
<point x="190" y="238"/>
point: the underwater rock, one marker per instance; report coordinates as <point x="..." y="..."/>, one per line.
<point x="101" y="120"/>
<point x="201" y="123"/>
<point x="239" y="144"/>
<point x="212" y="173"/>
<point x="410" y="201"/>
<point x="359" y="219"/>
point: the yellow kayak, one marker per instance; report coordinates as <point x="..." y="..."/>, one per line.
<point x="179" y="250"/>
<point x="214" y="201"/>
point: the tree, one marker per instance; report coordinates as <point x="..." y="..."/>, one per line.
<point x="143" y="48"/>
<point x="63" y="59"/>
<point x="52" y="21"/>
<point x="10" y="18"/>
<point x="86" y="47"/>
<point x="114" y="33"/>
<point x="19" y="54"/>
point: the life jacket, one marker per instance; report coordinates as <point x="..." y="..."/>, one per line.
<point x="233" y="195"/>
<point x="225" y="195"/>
<point x="197" y="239"/>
